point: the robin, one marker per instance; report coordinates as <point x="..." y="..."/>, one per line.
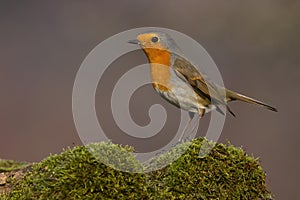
<point x="178" y="81"/>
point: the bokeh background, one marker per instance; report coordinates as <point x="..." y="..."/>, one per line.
<point x="255" y="44"/>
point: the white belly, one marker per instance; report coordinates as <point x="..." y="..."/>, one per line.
<point x="182" y="96"/>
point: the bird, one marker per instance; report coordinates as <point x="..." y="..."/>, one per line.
<point x="179" y="82"/>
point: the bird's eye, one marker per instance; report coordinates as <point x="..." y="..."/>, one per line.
<point x="154" y="39"/>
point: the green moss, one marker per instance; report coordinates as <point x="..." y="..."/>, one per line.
<point x="226" y="173"/>
<point x="76" y="174"/>
<point x="10" y="165"/>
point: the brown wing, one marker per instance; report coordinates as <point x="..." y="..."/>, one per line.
<point x="210" y="93"/>
<point x="202" y="86"/>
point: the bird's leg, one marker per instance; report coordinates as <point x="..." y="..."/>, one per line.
<point x="186" y="126"/>
<point x="194" y="130"/>
<point x="201" y="113"/>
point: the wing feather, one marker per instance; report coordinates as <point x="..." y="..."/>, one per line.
<point x="203" y="87"/>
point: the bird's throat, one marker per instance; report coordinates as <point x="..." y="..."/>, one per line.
<point x="160" y="61"/>
<point x="159" y="56"/>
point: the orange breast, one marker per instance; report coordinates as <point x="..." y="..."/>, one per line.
<point x="160" y="61"/>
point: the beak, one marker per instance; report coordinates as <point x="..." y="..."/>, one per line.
<point x="133" y="42"/>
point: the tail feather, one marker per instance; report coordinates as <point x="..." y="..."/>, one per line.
<point x="231" y="96"/>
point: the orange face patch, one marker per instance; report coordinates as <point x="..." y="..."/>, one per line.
<point x="159" y="56"/>
<point x="160" y="61"/>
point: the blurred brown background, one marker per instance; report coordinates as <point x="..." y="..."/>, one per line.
<point x="254" y="43"/>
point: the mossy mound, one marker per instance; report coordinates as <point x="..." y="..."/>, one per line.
<point x="226" y="173"/>
<point x="76" y="174"/>
<point x="10" y="165"/>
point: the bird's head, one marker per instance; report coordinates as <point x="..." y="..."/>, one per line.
<point x="158" y="46"/>
<point x="154" y="40"/>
